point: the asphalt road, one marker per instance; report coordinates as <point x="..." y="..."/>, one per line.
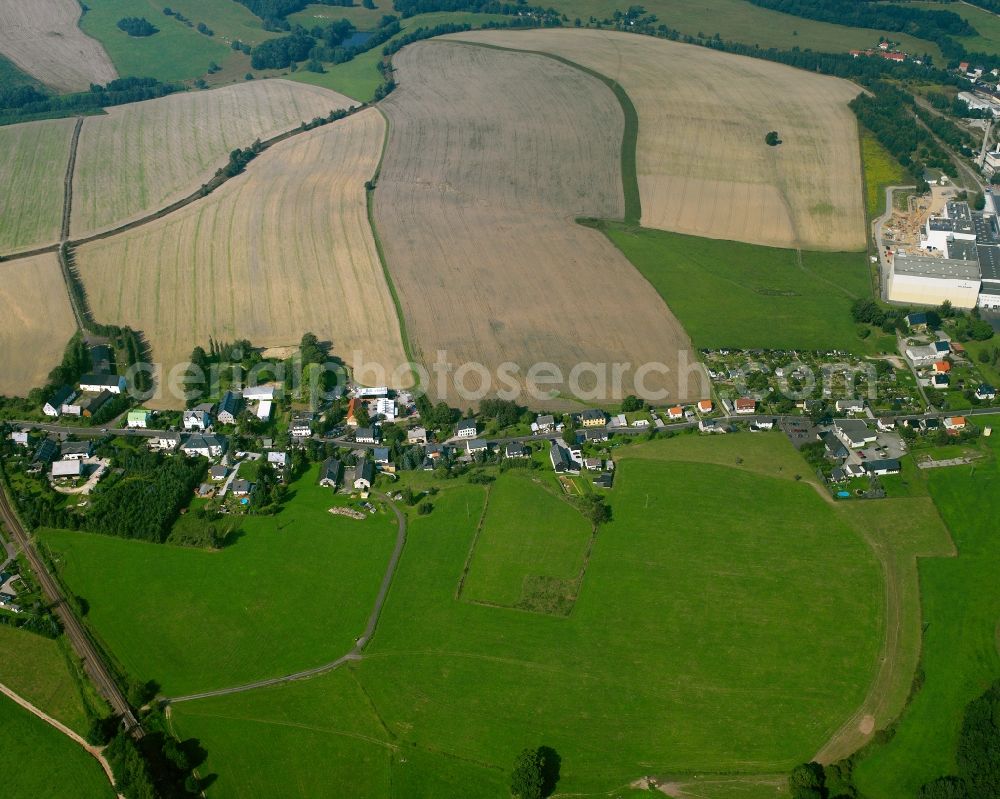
<point x="94" y="664"/>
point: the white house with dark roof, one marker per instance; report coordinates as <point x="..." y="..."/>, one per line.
<point x="196" y="420"/>
<point x="54" y="406"/>
<point x="229" y="407"/>
<point x="97" y="383"/>
<point x="206" y="445"/>
<point x="76" y="450"/>
<point x="466" y="428"/>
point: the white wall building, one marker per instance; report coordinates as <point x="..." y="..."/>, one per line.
<point x="929" y="280"/>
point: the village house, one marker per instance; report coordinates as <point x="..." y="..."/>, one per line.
<point x="562" y="463"/>
<point x="329" y="473"/>
<point x="416" y="435"/>
<point x="917" y="321"/>
<point x="20" y="437"/>
<point x="229" y="407"/>
<point x="92" y="403"/>
<point x="954" y="423"/>
<point x="165" y="442"/>
<point x="476" y="445"/>
<point x="881" y="467"/>
<point x="941" y="367"/>
<point x="46" y="452"/>
<point x="76" y="450"/>
<point x="241" y="488"/>
<point x="138" y="419"/>
<point x="545" y="424"/>
<point x="352" y="413"/>
<point x="515" y="449"/>
<point x="381" y="455"/>
<point x="593" y="464"/>
<point x="207" y="446"/>
<point x="364" y="475"/>
<point x="196" y="420"/>
<point x="940" y="381"/>
<point x="849" y="405"/>
<point x="854" y="433"/>
<point x="640" y="423"/>
<point x="745" y="405"/>
<point x="677" y="412"/>
<point x="367" y="435"/>
<point x="711" y="426"/>
<point x="301" y="425"/>
<point x="834" y="447"/>
<point x="97" y="383"/>
<point x="986" y="392"/>
<point x="705" y="406"/>
<point x="279" y="460"/>
<point x="592" y="434"/>
<point x="466" y="428"/>
<point x="218" y="472"/>
<point x="885" y="423"/>
<point x="593" y="418"/>
<point x="62" y="396"/>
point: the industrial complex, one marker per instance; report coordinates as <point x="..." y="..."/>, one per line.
<point x="957" y="260"/>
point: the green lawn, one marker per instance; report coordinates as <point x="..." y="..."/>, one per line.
<point x="730" y="294"/>
<point x="37" y="760"/>
<point x="293" y="591"/>
<point x="530" y="536"/>
<point x="176" y="53"/>
<point x="36" y="668"/>
<point x="740" y="21"/>
<point x="961" y="605"/>
<point x="880" y="169"/>
<point x="698" y="643"/>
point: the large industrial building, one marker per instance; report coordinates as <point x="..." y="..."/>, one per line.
<point x="957" y="251"/>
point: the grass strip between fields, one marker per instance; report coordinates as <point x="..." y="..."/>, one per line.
<point x="630" y="136"/>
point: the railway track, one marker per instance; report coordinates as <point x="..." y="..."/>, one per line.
<point x="85" y="649"/>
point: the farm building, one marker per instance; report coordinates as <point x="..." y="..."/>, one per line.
<point x="364" y="475"/>
<point x="259" y="393"/>
<point x="67" y="469"/>
<point x="352" y="413"/>
<point x="264" y="408"/>
<point x="372" y="392"/>
<point x="97" y="383"/>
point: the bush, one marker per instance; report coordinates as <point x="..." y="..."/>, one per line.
<point x="137" y="26"/>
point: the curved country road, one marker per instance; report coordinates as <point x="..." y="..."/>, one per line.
<point x="93" y="751"/>
<point x="354" y="654"/>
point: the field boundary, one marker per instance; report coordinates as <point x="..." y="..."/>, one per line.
<point x="472" y="544"/>
<point x="369" y="205"/>
<point x="630" y="135"/>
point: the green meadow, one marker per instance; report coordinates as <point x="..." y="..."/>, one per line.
<point x="702" y="639"/>
<point x="961" y="604"/>
<point x="730" y="294"/>
<point x="293" y="590"/>
<point x="37" y="760"/>
<point x="880" y="169"/>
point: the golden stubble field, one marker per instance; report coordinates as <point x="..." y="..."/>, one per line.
<point x="702" y="163"/>
<point x="491" y="157"/>
<point x="37" y="322"/>
<point x="143" y="156"/>
<point x="281" y="249"/>
<point x="43" y="39"/>
<point x="33" y="158"/>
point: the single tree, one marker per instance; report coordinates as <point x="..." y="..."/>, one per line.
<point x="772" y="139"/>
<point x="527" y="779"/>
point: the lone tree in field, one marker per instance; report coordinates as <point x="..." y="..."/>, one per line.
<point x="772" y="138"/>
<point x="527" y="780"/>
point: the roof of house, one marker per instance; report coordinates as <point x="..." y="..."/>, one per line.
<point x="230" y="403"/>
<point x="854" y="429"/>
<point x="545" y="421"/>
<point x="942" y="366"/>
<point x="139" y="414"/>
<point x="60" y="395"/>
<point x="67" y="468"/>
<point x="381" y="454"/>
<point x="241" y="486"/>
<point x="201" y="442"/>
<point x="476" y="443"/>
<point x="466" y="424"/>
<point x="196" y="413"/>
<point x="416" y="432"/>
<point x="515" y="448"/>
<point x="941" y="346"/>
<point x="365" y="470"/>
<point x="595" y="434"/>
<point x="558" y="455"/>
<point x="916" y="318"/>
<point x="986" y="389"/>
<point x="592" y="413"/>
<point x="364" y="432"/>
<point x="705" y="405"/>
<point x="75" y="448"/>
<point x="277" y="457"/>
<point x="745" y="402"/>
<point x="218" y="471"/>
<point x="100" y="380"/>
<point x="955" y="421"/>
<point x="887" y="465"/>
<point x="97" y="400"/>
<point x="330" y="470"/>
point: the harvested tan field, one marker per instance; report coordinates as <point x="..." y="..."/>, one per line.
<point x="481" y="182"/>
<point x="33" y="158"/>
<point x="143" y="156"/>
<point x="281" y="249"/>
<point x="38" y="322"/>
<point x="702" y="163"/>
<point x="43" y="39"/>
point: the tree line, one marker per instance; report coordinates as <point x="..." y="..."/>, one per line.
<point x="20" y="103"/>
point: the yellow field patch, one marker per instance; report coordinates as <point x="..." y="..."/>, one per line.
<point x="143" y="156"/>
<point x="38" y="322"/>
<point x="703" y="166"/>
<point x="43" y="39"/>
<point x="282" y="249"/>
<point x="482" y="180"/>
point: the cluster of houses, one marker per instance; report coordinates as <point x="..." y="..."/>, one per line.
<point x="257" y="400"/>
<point x="848" y="440"/>
<point x="65" y="461"/>
<point x="93" y="393"/>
